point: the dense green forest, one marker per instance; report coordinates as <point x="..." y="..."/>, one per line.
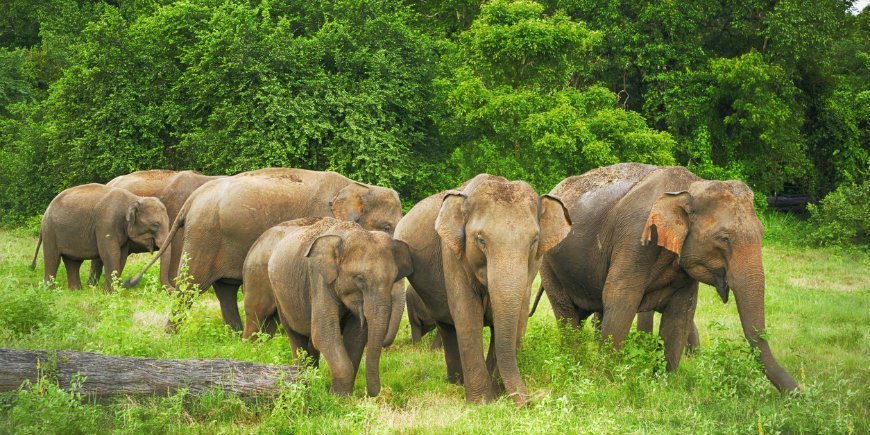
<point x="420" y="95"/>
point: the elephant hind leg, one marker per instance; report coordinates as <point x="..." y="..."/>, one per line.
<point x="95" y="272"/>
<point x="72" y="272"/>
<point x="51" y="259"/>
<point x="645" y="321"/>
<point x="227" y="294"/>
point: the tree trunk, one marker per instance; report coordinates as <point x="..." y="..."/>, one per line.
<point x="105" y="375"/>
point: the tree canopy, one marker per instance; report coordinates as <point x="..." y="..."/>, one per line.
<point x="419" y="96"/>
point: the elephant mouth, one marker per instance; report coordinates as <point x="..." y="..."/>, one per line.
<point x="721" y="286"/>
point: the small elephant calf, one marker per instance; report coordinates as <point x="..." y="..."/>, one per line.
<point x="97" y="222"/>
<point x="420" y="318"/>
<point x="329" y="282"/>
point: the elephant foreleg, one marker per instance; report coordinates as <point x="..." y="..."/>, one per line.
<point x="451" y="353"/>
<point x="621" y="302"/>
<point x="677" y="323"/>
<point x="492" y="367"/>
<point x="467" y="313"/>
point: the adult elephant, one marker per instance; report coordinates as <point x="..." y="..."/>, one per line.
<point x="643" y="237"/>
<point x="223" y="218"/>
<point x="172" y="188"/>
<point x="475" y="252"/>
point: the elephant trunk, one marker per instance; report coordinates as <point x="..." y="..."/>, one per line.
<point x="398" y="307"/>
<point x="377" y="314"/>
<point x="507" y="286"/>
<point x="746" y="279"/>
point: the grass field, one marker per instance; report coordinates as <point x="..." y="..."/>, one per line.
<point x="817" y="315"/>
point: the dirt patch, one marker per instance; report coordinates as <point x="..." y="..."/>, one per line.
<point x="151" y="320"/>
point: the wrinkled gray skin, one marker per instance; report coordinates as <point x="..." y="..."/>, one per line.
<point x="642" y="239"/>
<point x="172" y="188"/>
<point x="223" y="218"/>
<point x="330" y="283"/>
<point x="419" y="318"/>
<point x="475" y="253"/>
<point x="94" y="221"/>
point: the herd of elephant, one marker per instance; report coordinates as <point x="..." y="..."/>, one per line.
<point x="327" y="257"/>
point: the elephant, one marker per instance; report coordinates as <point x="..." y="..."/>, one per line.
<point x="643" y="238"/>
<point x="475" y="252"/>
<point x="222" y="219"/>
<point x="419" y="318"/>
<point x="172" y="188"/>
<point x="330" y="283"/>
<point x="94" y="221"/>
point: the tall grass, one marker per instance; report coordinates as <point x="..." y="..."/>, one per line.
<point x="816" y="315"/>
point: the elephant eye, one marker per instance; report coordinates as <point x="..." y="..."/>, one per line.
<point x="723" y="239"/>
<point x="387" y="227"/>
<point x="155" y="225"/>
<point x="480" y="241"/>
<point x="360" y="281"/>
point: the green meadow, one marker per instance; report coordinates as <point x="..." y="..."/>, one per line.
<point x="817" y="320"/>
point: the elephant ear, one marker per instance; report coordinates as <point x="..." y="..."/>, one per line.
<point x="132" y="213"/>
<point x="402" y="255"/>
<point x="348" y="203"/>
<point x="670" y="216"/>
<point x="327" y="250"/>
<point x="450" y="223"/>
<point x="554" y="221"/>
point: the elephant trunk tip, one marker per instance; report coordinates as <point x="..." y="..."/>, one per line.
<point x="132" y="282"/>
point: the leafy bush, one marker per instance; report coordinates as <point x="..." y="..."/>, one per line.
<point x="843" y="216"/>
<point x="26" y="308"/>
<point x="44" y="405"/>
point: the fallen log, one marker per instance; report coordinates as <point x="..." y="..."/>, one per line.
<point x="104" y="375"/>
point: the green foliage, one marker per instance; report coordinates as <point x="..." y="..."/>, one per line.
<point x="44" y="405"/>
<point x="25" y="309"/>
<point x="513" y="104"/>
<point x="843" y="216"/>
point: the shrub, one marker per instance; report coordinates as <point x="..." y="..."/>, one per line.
<point x="843" y="217"/>
<point x="26" y="308"/>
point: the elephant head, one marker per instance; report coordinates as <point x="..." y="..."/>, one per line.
<point x="500" y="230"/>
<point x="714" y="230"/>
<point x="375" y="208"/>
<point x="147" y="223"/>
<point x="358" y="271"/>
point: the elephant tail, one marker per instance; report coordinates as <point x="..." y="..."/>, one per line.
<point x="36" y="254"/>
<point x="178" y="224"/>
<point x="537" y="299"/>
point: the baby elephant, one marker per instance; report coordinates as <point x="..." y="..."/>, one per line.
<point x="94" y="221"/>
<point x="420" y="318"/>
<point x="329" y="282"/>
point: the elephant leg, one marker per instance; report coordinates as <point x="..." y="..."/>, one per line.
<point x="354" y="339"/>
<point x="563" y="308"/>
<point x="621" y="297"/>
<point x="437" y="342"/>
<point x="95" y="272"/>
<point x="72" y="267"/>
<point x="467" y="313"/>
<point x="645" y="321"/>
<point x="110" y="253"/>
<point x="260" y="311"/>
<point x="175" y="258"/>
<point x="451" y="353"/>
<point x="201" y="274"/>
<point x="677" y="323"/>
<point x="51" y="259"/>
<point x="416" y="331"/>
<point x="227" y="294"/>
<point x="694" y="340"/>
